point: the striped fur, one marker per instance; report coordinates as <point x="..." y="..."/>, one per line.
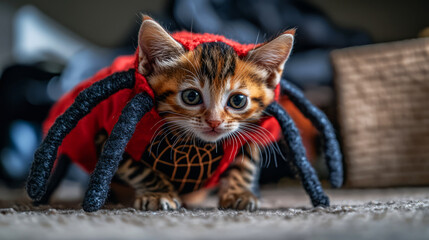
<point x="238" y="185"/>
<point x="153" y="190"/>
<point x="230" y="94"/>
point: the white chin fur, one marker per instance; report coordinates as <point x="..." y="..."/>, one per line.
<point x="210" y="138"/>
<point x="203" y="134"/>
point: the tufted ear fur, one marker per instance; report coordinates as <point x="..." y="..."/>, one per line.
<point x="156" y="47"/>
<point x="272" y="55"/>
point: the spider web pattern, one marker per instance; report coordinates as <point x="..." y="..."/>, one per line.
<point x="186" y="163"/>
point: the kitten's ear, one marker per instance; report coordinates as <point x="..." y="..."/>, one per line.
<point x="156" y="46"/>
<point x="272" y="55"/>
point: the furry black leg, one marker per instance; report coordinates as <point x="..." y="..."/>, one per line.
<point x="55" y="179"/>
<point x="46" y="154"/>
<point x="305" y="170"/>
<point x="320" y="121"/>
<point x="113" y="151"/>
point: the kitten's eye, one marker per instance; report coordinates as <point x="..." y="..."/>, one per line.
<point x="191" y="97"/>
<point x="237" y="101"/>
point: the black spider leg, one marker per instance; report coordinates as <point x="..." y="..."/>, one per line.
<point x="331" y="147"/>
<point x="55" y="179"/>
<point x="113" y="151"/>
<point x="45" y="155"/>
<point x="305" y="170"/>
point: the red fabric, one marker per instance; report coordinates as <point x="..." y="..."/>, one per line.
<point x="79" y="143"/>
<point x="191" y="40"/>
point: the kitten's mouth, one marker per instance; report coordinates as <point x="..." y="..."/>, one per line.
<point x="212" y="135"/>
<point x="213" y="132"/>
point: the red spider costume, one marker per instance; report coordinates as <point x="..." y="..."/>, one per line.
<point x="120" y="101"/>
<point x="79" y="145"/>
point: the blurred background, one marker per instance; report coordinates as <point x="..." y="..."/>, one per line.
<point x="47" y="47"/>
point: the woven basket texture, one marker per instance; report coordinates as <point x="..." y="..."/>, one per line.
<point x="383" y="109"/>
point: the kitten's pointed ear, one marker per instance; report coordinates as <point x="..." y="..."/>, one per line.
<point x="272" y="55"/>
<point x="156" y="46"/>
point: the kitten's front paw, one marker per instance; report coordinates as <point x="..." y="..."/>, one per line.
<point x="157" y="201"/>
<point x="239" y="201"/>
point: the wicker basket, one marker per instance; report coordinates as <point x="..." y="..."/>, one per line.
<point x="383" y="109"/>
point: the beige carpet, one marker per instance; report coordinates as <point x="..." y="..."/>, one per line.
<point x="286" y="214"/>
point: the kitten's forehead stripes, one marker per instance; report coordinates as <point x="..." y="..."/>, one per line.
<point x="217" y="60"/>
<point x="163" y="96"/>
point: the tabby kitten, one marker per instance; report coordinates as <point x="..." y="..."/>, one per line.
<point x="205" y="96"/>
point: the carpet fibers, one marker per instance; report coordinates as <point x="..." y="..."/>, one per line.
<point x="286" y="214"/>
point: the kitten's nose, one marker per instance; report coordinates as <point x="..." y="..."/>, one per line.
<point x="213" y="123"/>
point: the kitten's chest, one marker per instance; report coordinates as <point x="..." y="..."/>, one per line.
<point x="188" y="163"/>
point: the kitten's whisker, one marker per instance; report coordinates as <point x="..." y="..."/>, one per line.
<point x="253" y="142"/>
<point x="189" y="137"/>
<point x="168" y="128"/>
<point x="260" y="134"/>
<point x="180" y="138"/>
<point x="270" y="150"/>
<point x="248" y="134"/>
<point x="231" y="141"/>
<point x="164" y="122"/>
<point x="265" y="133"/>
<point x="243" y="139"/>
<point x="160" y="121"/>
<point x="171" y="130"/>
<point x="165" y="133"/>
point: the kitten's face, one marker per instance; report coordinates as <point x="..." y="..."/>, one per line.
<point x="209" y="92"/>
